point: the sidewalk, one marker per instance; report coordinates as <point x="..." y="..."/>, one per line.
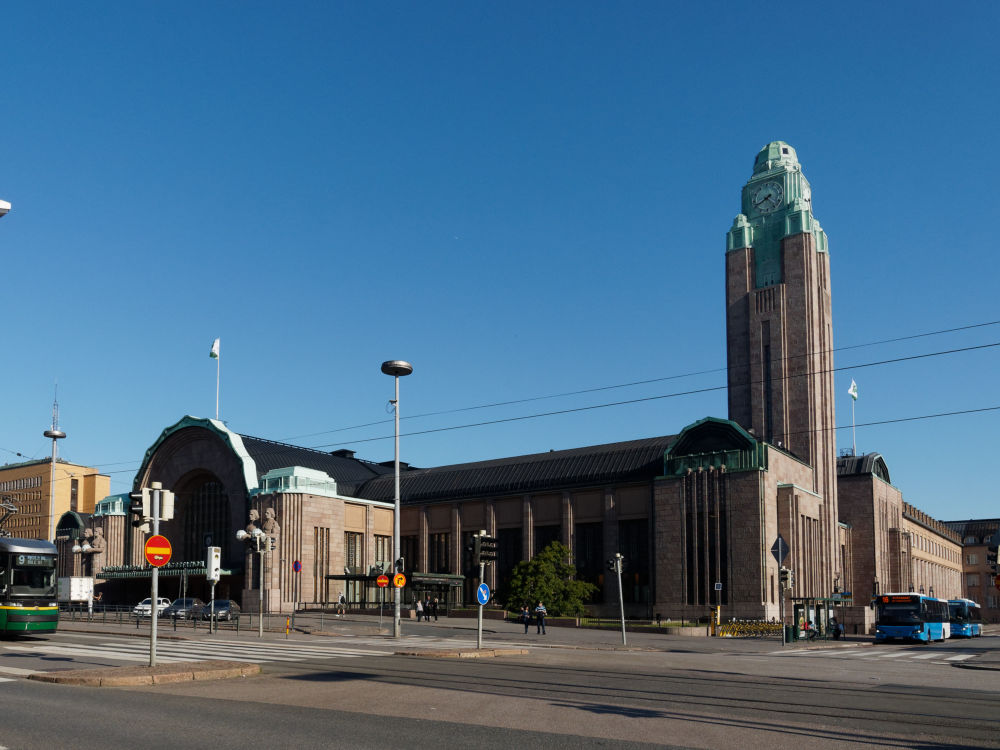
<point x="500" y="638"/>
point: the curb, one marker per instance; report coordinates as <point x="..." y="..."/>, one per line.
<point x="475" y="653"/>
<point x="159" y="675"/>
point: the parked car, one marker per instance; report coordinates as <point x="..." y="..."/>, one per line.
<point x="225" y="609"/>
<point x="142" y="609"/>
<point x="183" y="609"/>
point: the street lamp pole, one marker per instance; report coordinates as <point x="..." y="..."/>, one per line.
<point x="257" y="537"/>
<point x="397" y="368"/>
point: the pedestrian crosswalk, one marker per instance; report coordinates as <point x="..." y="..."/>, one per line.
<point x="137" y="651"/>
<point x="863" y="653"/>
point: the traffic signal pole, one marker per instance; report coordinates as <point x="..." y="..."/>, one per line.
<point x="154" y="612"/>
<point x="479" y="632"/>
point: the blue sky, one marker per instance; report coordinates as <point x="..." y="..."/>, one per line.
<point x="523" y="200"/>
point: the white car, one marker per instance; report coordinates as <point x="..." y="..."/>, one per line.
<point x="142" y="608"/>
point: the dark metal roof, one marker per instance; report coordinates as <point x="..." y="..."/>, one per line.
<point x="870" y="463"/>
<point x="349" y="472"/>
<point x="593" y="465"/>
<point x="977" y="527"/>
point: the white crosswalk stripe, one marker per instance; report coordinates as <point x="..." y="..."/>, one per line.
<point x="864" y="654"/>
<point x="172" y="651"/>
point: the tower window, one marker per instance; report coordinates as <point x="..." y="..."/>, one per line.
<point x="784" y="150"/>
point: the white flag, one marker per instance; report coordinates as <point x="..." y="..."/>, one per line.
<point x="852" y="391"/>
<point x="214" y="354"/>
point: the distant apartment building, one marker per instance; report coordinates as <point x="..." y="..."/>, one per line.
<point x="978" y="537"/>
<point x="30" y="488"/>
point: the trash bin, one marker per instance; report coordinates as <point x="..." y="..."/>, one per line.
<point x="791" y="633"/>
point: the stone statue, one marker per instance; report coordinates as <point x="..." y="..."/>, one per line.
<point x="98" y="544"/>
<point x="271" y="527"/>
<point x="254" y="517"/>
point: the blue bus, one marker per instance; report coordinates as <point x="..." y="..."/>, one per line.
<point x="911" y="617"/>
<point x="966" y="618"/>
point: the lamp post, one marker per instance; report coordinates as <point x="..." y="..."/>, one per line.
<point x="258" y="538"/>
<point x="397" y="368"/>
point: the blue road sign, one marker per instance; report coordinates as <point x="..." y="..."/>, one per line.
<point x="483" y="593"/>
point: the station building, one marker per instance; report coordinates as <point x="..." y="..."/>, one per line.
<point x="695" y="512"/>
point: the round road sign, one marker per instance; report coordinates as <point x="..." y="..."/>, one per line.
<point x="399" y="580"/>
<point x="382" y="581"/>
<point x="297" y="566"/>
<point x="158" y="551"/>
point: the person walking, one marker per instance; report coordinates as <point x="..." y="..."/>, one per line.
<point x="434" y="608"/>
<point x="525" y="618"/>
<point x="341" y="605"/>
<point x="540" y="613"/>
<point x="420" y="609"/>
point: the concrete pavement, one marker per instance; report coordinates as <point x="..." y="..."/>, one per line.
<point x="504" y="638"/>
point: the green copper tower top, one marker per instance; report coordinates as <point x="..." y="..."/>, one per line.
<point x="776" y="203"/>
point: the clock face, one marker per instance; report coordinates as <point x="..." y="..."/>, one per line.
<point x="767" y="197"/>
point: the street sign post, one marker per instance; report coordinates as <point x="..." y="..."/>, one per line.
<point x="483" y="594"/>
<point x="399" y="580"/>
<point x="382" y="581"/>
<point x="780" y="551"/>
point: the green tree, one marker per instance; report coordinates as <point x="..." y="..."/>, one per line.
<point x="549" y="577"/>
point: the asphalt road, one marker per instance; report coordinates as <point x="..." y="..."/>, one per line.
<point x="348" y="691"/>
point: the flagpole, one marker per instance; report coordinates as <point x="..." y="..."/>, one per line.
<point x="854" y="434"/>
<point x="218" y="370"/>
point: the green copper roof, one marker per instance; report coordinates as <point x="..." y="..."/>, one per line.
<point x="232" y="439"/>
<point x="776" y="203"/>
<point x="774" y="155"/>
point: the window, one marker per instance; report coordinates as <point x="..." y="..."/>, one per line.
<point x="383" y="549"/>
<point x="74" y="492"/>
<point x="352" y="549"/>
<point x="972" y="559"/>
<point x="970" y="540"/>
<point x="972" y="579"/>
<point x="438" y="553"/>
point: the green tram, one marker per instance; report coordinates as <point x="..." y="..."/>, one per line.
<point x="28" y="586"/>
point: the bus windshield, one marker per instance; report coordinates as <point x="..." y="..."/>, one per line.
<point x="958" y="611"/>
<point x="899" y="612"/>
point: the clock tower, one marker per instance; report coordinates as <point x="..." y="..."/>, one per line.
<point x="779" y="331"/>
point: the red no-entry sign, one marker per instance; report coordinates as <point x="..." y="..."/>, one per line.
<point x="158" y="551"/>
<point x="382" y="581"/>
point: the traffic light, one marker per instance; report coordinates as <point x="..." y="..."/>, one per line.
<point x="213" y="564"/>
<point x="611" y="565"/>
<point x="617" y="563"/>
<point x="166" y="505"/>
<point x="400" y="565"/>
<point x="791" y="579"/>
<point x="487" y="549"/>
<point x="785" y="578"/>
<point x="476" y="548"/>
<point x="139" y="506"/>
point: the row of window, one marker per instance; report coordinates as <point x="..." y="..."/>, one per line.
<point x="23" y="483"/>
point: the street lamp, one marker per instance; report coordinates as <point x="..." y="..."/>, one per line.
<point x="397" y="368"/>
<point x="258" y="539"/>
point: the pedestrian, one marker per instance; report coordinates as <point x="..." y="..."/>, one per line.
<point x="840" y="630"/>
<point x="427" y="609"/>
<point x="434" y="608"/>
<point x="341" y="605"/>
<point x="525" y="618"/>
<point x="835" y="628"/>
<point x="540" y="613"/>
<point x="810" y="631"/>
<point x="420" y="609"/>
